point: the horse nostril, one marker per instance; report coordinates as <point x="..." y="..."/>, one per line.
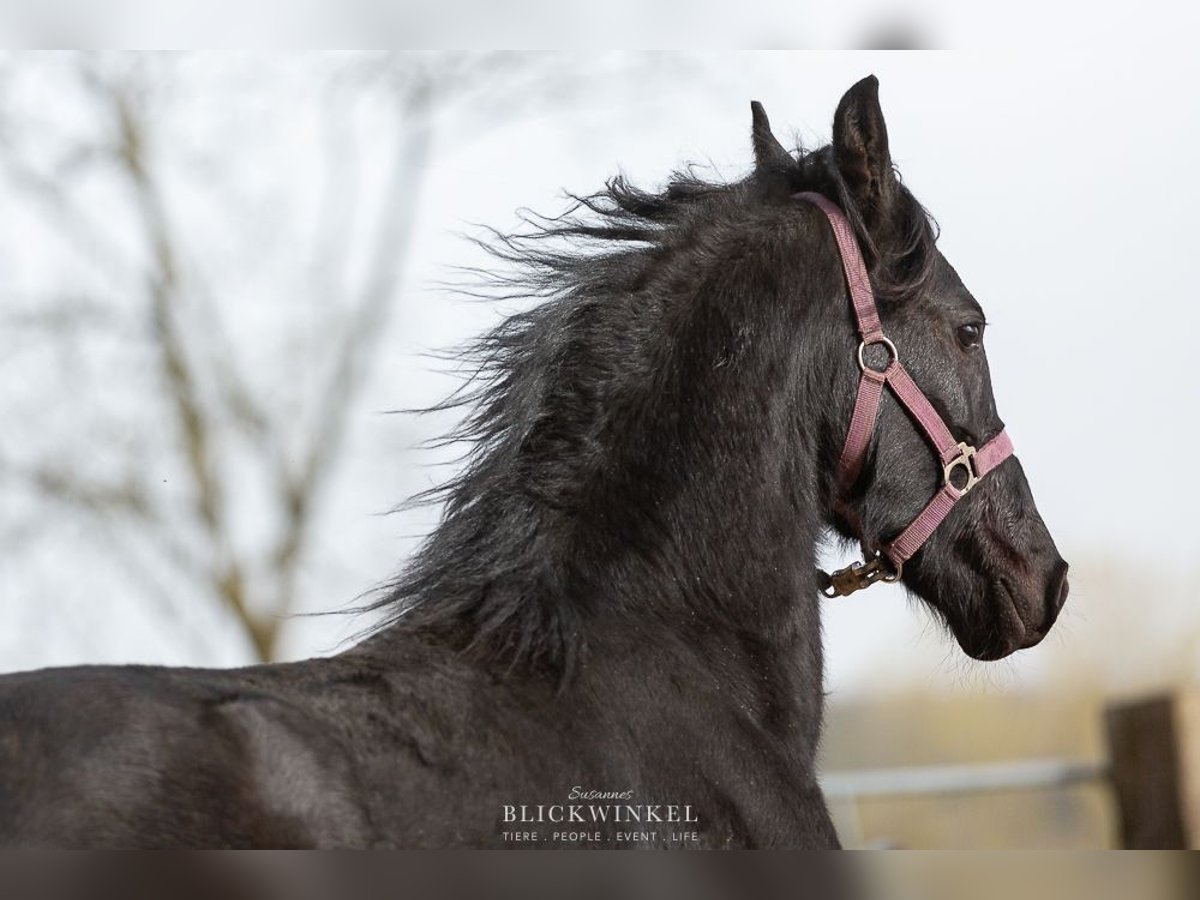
<point x="1056" y="593"/>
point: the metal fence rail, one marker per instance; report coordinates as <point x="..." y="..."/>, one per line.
<point x="845" y="790"/>
<point x="1019" y="775"/>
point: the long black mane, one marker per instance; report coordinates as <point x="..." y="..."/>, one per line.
<point x="506" y="571"/>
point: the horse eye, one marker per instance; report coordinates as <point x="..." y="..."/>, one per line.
<point x="970" y="335"/>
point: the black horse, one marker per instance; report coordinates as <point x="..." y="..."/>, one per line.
<point x="613" y="637"/>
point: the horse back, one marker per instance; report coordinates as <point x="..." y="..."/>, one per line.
<point x="137" y="756"/>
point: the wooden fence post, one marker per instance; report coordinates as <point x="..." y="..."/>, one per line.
<point x="1154" y="754"/>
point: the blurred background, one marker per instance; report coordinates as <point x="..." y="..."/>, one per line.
<point x="223" y="272"/>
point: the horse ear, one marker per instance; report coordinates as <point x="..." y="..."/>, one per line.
<point x="860" y="147"/>
<point x="768" y="152"/>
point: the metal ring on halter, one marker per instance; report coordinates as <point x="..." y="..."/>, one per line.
<point x="965" y="460"/>
<point x="891" y="348"/>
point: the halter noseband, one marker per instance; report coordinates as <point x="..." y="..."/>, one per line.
<point x="957" y="459"/>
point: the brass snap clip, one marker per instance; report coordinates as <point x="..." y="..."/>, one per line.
<point x="858" y="576"/>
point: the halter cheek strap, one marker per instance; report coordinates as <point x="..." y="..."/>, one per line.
<point x="960" y="462"/>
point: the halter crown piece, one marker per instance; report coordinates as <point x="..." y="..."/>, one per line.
<point x="960" y="461"/>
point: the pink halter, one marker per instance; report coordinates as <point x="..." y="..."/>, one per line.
<point x="957" y="459"/>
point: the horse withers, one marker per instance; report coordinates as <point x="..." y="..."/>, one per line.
<point x="612" y="638"/>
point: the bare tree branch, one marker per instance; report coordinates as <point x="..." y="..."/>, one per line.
<point x="358" y="346"/>
<point x="228" y="435"/>
<point x="193" y="420"/>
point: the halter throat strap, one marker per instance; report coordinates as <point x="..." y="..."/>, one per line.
<point x="963" y="466"/>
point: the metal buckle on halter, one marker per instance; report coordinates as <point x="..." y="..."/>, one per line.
<point x="845" y="582"/>
<point x="965" y="459"/>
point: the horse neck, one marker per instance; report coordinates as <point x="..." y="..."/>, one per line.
<point x="711" y="524"/>
<point x="689" y="505"/>
<point x="734" y="535"/>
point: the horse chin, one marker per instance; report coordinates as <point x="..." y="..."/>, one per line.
<point x="1004" y="634"/>
<point x="990" y="652"/>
